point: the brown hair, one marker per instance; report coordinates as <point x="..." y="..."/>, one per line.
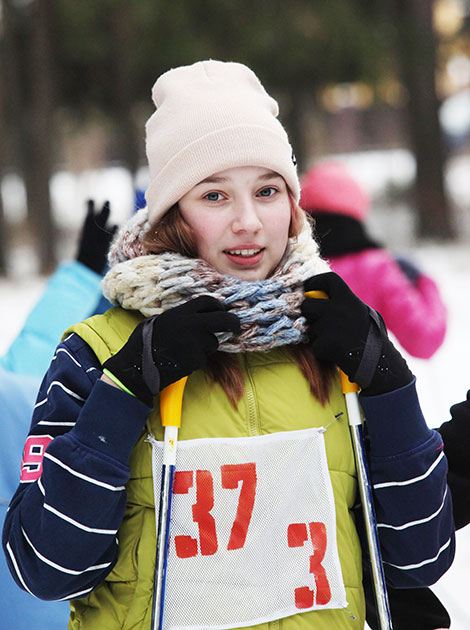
<point x="173" y="234"/>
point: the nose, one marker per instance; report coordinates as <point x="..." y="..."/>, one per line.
<point x="246" y="217"/>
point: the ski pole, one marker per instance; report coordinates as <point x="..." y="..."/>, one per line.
<point x="350" y="391"/>
<point x="171" y="400"/>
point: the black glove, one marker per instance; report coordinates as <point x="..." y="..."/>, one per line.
<point x="345" y="331"/>
<point x="456" y="436"/>
<point x="166" y="347"/>
<point x="95" y="238"/>
<point x="409" y="269"/>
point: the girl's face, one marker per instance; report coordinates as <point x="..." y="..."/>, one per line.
<point x="240" y="217"/>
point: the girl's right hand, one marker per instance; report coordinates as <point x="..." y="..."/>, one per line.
<point x="164" y="348"/>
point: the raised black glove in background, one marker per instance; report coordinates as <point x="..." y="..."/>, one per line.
<point x="409" y="268"/>
<point x="164" y="348"/>
<point x="345" y="331"/>
<point x="95" y="237"/>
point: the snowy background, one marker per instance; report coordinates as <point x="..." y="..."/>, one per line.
<point x="442" y="380"/>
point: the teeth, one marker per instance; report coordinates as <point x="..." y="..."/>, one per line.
<point x="244" y="252"/>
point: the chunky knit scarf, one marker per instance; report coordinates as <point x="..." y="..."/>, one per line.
<point x="269" y="310"/>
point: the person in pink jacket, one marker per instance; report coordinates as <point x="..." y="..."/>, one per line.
<point x="408" y="299"/>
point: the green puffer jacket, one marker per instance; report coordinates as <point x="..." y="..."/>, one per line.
<point x="276" y="398"/>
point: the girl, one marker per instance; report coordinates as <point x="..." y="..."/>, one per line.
<point x="407" y="298"/>
<point x="209" y="280"/>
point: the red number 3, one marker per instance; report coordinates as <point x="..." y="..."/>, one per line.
<point x="186" y="546"/>
<point x="296" y="536"/>
<point x="31" y="466"/>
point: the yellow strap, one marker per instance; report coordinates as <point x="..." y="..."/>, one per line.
<point x="117" y="381"/>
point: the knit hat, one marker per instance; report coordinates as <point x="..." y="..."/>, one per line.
<point x="329" y="187"/>
<point x="211" y="116"/>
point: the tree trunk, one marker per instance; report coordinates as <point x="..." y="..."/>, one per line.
<point x="28" y="105"/>
<point x="11" y="113"/>
<point x="38" y="161"/>
<point x="293" y="120"/>
<point x="3" y="237"/>
<point x="3" y="240"/>
<point x="416" y="47"/>
<point x="124" y="83"/>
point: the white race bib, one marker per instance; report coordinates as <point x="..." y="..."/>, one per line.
<point x="253" y="531"/>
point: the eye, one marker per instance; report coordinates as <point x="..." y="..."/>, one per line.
<point x="213" y="196"/>
<point x="269" y="191"/>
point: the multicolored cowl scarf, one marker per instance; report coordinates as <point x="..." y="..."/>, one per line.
<point x="269" y="310"/>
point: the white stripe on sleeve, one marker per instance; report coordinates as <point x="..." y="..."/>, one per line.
<point x="92" y="530"/>
<point x="68" y="354"/>
<point x="54" y="565"/>
<point x="418" y="522"/>
<point x="73" y="595"/>
<point x="407" y="567"/>
<point x="407" y="482"/>
<point x="66" y="390"/>
<point x="102" y="484"/>
<point x="56" y="424"/>
<point x="17" y="569"/>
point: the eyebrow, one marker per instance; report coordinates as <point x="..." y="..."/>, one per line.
<point x="270" y="175"/>
<point x="214" y="179"/>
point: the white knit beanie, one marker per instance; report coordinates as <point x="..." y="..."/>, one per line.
<point x="211" y="116"/>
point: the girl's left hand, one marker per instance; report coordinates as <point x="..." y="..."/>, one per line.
<point x="345" y="331"/>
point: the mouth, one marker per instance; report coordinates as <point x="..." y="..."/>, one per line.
<point x="245" y="256"/>
<point x="243" y="253"/>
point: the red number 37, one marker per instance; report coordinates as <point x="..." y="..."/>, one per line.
<point x="231" y="475"/>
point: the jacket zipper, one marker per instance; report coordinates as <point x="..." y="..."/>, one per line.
<point x="252" y="411"/>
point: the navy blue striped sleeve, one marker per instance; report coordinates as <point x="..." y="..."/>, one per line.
<point x="60" y="531"/>
<point x="412" y="501"/>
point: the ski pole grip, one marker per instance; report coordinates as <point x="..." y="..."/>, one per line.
<point x="171" y="402"/>
<point x="346" y="384"/>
